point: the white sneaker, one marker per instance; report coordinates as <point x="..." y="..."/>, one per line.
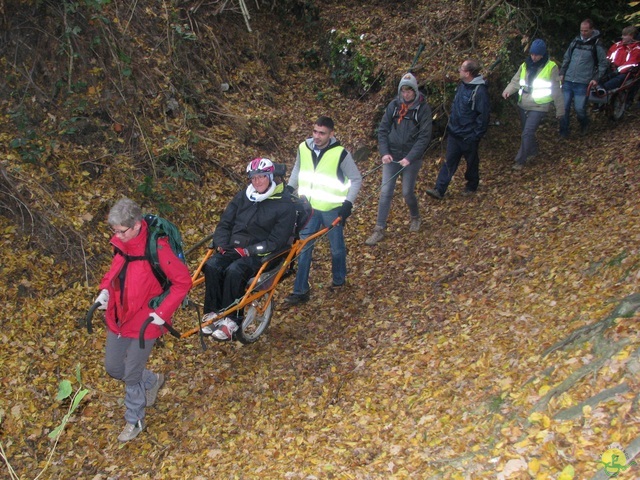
<point x="208" y="329"/>
<point x="131" y="431"/>
<point x="225" y="329"/>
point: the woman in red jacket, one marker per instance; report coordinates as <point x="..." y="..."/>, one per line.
<point x="127" y="288"/>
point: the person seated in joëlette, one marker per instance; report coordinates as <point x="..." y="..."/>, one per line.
<point x="259" y="220"/>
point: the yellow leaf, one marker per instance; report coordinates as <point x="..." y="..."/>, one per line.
<point x="543" y="390"/>
<point x="623" y="355"/>
<point x="567" y="473"/>
<point x="534" y="466"/>
<point x="535" y="417"/>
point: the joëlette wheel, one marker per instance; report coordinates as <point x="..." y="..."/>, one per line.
<point x="257" y="316"/>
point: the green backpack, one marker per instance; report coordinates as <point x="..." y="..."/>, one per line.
<point x="158" y="227"/>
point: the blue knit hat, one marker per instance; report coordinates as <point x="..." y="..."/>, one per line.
<point x="538" y="47"/>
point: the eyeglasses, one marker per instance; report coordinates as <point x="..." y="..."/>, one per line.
<point x="120" y="232"/>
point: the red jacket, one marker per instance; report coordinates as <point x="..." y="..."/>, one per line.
<point x="131" y="290"/>
<point x="624" y="56"/>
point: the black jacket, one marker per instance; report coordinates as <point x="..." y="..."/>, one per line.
<point x="260" y="227"/>
<point x="470" y="110"/>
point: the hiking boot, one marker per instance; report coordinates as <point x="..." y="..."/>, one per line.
<point x="467" y="193"/>
<point x="152" y="393"/>
<point x="435" y="194"/>
<point x="131" y="431"/>
<point x="376" y="236"/>
<point x="518" y="166"/>
<point x="297" y="298"/>
<point x="414" y="225"/>
<point x="225" y="329"/>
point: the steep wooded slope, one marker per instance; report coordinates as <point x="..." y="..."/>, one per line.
<point x="441" y="359"/>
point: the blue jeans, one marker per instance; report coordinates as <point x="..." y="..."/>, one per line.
<point x="578" y="93"/>
<point x="456" y="149"/>
<point x="529" y="144"/>
<point x="338" y="250"/>
<point x="390" y="173"/>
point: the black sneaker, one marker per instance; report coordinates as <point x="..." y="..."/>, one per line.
<point x="435" y="194"/>
<point x="297" y="298"/>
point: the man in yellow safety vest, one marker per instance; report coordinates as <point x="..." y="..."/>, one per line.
<point x="325" y="173"/>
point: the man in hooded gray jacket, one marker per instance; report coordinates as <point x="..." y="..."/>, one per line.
<point x="403" y="137"/>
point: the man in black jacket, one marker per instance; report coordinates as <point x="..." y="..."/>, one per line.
<point x="259" y="220"/>
<point x="468" y="123"/>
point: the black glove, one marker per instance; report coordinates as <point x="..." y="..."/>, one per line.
<point x="289" y="189"/>
<point x="345" y="211"/>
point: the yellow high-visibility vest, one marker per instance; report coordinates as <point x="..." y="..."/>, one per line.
<point x="540" y="89"/>
<point x="321" y="184"/>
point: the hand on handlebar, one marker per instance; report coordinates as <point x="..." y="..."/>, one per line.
<point x="103" y="299"/>
<point x="157" y="320"/>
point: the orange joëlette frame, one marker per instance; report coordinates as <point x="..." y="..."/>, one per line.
<point x="253" y="291"/>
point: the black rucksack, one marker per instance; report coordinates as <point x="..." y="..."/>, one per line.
<point x="304" y="210"/>
<point x="158" y="227"/>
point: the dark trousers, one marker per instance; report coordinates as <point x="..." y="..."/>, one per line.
<point x="456" y="149"/>
<point x="226" y="278"/>
<point x="614" y="81"/>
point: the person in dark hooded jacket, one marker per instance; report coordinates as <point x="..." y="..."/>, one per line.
<point x="583" y="65"/>
<point x="468" y="123"/>
<point x="258" y="221"/>
<point x="403" y="137"/>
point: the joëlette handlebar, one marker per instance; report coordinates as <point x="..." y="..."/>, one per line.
<point x="93" y="308"/>
<point x="146" y="323"/>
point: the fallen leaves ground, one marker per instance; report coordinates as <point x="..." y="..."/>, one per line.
<point x="429" y="364"/>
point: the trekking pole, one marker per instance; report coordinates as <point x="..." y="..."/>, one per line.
<point x="392" y="179"/>
<point x="366" y="174"/>
<point x="415" y="59"/>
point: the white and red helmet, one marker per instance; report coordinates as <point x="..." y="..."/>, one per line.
<point x="261" y="166"/>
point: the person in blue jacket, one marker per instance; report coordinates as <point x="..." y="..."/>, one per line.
<point x="468" y="123"/>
